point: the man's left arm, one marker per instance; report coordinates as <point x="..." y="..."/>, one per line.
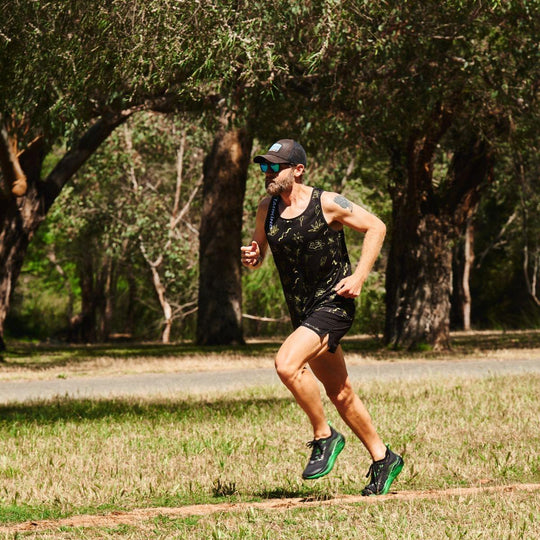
<point x="339" y="211"/>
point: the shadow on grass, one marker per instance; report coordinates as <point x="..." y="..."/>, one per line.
<point x="76" y="410"/>
<point x="306" y="494"/>
<point x="45" y="356"/>
<point x="39" y="357"/>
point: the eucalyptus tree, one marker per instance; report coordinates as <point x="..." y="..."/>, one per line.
<point x="160" y="201"/>
<point x="261" y="99"/>
<point x="74" y="71"/>
<point x="437" y="86"/>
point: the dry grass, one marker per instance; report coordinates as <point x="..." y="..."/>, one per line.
<point x="33" y="362"/>
<point x="481" y="515"/>
<point x="68" y="457"/>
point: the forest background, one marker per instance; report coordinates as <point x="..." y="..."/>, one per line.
<point x="128" y="188"/>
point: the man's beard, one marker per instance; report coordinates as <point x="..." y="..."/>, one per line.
<point x="274" y="188"/>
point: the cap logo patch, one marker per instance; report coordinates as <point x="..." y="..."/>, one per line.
<point x="276" y="147"/>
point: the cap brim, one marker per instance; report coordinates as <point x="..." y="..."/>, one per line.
<point x="270" y="158"/>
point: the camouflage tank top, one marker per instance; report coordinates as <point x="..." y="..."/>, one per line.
<point x="311" y="259"/>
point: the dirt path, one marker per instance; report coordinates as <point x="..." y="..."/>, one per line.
<point x="175" y="384"/>
<point x="143" y="514"/>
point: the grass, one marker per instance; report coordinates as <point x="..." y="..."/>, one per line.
<point x="24" y="361"/>
<point x="68" y="457"/>
<point x="484" y="517"/>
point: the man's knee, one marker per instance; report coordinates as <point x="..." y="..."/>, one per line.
<point x="286" y="369"/>
<point x="341" y="397"/>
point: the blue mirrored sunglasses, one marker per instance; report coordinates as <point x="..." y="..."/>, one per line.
<point x="274" y="167"/>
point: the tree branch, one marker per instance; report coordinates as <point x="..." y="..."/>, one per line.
<point x="179" y="177"/>
<point x="186" y="206"/>
<point x="75" y="158"/>
<point x="264" y="319"/>
<point x="14" y="179"/>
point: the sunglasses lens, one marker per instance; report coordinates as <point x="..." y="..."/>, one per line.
<point x="274" y="167"/>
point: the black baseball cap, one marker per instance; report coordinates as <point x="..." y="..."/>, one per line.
<point x="284" y="151"/>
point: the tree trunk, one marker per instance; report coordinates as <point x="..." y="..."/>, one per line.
<point x="468" y="260"/>
<point x="19" y="218"/>
<point x="425" y="223"/>
<point x="419" y="284"/>
<point x="86" y="327"/>
<point x="110" y="298"/>
<point x="13" y="179"/>
<point x="220" y="288"/>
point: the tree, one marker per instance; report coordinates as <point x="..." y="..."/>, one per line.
<point x="159" y="221"/>
<point x="246" y="101"/>
<point x="436" y="86"/>
<point x="220" y="298"/>
<point x="127" y="226"/>
<point x="77" y="71"/>
<point x="506" y="241"/>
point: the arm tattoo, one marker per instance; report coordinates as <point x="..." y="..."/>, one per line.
<point x="343" y="202"/>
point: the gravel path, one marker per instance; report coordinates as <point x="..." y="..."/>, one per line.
<point x="175" y="384"/>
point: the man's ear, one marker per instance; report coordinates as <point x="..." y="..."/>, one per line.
<point x="298" y="170"/>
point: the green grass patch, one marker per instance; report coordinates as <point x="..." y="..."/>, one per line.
<point x="66" y="457"/>
<point x="484" y="516"/>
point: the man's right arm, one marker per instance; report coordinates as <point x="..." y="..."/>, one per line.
<point x="252" y="255"/>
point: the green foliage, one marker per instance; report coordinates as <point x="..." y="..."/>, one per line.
<point x="394" y="62"/>
<point x="122" y="202"/>
<point x="39" y="308"/>
<point x="508" y="251"/>
<point x="263" y="298"/>
<point x="370" y="307"/>
<point x="102" y="56"/>
<point x="340" y="76"/>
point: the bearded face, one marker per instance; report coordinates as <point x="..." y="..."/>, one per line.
<point x="277" y="183"/>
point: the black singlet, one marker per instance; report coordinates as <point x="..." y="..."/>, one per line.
<point x="311" y="259"/>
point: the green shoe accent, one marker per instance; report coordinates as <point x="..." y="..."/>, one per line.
<point x="323" y="456"/>
<point x="383" y="473"/>
<point x="396" y="469"/>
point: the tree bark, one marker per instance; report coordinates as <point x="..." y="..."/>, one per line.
<point x="426" y="220"/>
<point x="468" y="260"/>
<point x="19" y="218"/>
<point x="419" y="284"/>
<point x="220" y="289"/>
<point x="13" y="177"/>
<point x="86" y="327"/>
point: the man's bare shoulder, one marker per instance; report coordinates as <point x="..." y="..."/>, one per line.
<point x="332" y="202"/>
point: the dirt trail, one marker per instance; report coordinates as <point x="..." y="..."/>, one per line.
<point x="143" y="514"/>
<point x="190" y="383"/>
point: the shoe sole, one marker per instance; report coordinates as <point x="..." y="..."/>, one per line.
<point x="396" y="469"/>
<point x="331" y="460"/>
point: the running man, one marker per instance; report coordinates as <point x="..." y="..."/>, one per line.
<point x="304" y="228"/>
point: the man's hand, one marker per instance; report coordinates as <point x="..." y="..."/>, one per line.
<point x="349" y="287"/>
<point x="251" y="255"/>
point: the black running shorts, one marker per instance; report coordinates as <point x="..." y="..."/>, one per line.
<point x="333" y="324"/>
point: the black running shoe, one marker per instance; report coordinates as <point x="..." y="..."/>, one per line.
<point x="383" y="473"/>
<point x="323" y="455"/>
